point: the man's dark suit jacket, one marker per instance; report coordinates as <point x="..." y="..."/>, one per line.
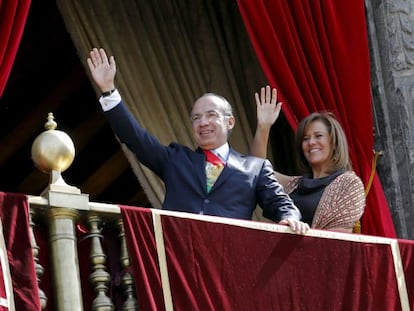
<point x="244" y="182"/>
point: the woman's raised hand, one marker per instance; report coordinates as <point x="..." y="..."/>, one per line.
<point x="268" y="108"/>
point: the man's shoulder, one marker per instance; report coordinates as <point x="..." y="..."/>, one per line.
<point x="251" y="160"/>
<point x="246" y="156"/>
<point x="185" y="151"/>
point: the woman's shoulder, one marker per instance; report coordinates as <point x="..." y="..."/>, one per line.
<point x="348" y="181"/>
<point x="348" y="177"/>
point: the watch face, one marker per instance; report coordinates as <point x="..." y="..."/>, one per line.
<point x="108" y="93"/>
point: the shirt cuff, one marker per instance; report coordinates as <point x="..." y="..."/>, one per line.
<point x="109" y="102"/>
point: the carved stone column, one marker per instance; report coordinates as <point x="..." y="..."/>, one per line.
<point x="38" y="266"/>
<point x="53" y="152"/>
<point x="391" y="33"/>
<point x="128" y="283"/>
<point x="64" y="254"/>
<point x="99" y="278"/>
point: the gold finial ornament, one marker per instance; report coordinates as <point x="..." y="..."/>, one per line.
<point x="50" y="124"/>
<point x="53" y="152"/>
<point x="53" y="149"/>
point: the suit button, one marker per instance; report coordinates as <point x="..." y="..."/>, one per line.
<point x="206" y="201"/>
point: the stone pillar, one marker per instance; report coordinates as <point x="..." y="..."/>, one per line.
<point x="63" y="249"/>
<point x="390" y="25"/>
<point x="53" y="152"/>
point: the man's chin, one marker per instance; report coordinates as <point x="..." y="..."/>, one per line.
<point x="207" y="146"/>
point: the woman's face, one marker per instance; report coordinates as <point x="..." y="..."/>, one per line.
<point x="316" y="145"/>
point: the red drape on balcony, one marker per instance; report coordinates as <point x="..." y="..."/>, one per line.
<point x="13" y="15"/>
<point x="226" y="264"/>
<point x="316" y="54"/>
<point x="14" y="214"/>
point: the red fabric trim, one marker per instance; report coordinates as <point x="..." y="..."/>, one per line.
<point x="138" y="228"/>
<point x="215" y="266"/>
<point x="15" y="218"/>
<point x="3" y="293"/>
<point x="316" y="54"/>
<point x="407" y="258"/>
<point x="227" y="275"/>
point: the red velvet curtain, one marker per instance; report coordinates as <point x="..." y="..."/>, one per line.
<point x="316" y="54"/>
<point x="13" y="14"/>
<point x="14" y="207"/>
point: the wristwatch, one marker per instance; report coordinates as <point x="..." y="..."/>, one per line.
<point x="105" y="94"/>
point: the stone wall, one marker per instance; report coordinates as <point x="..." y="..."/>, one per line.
<point x="390" y="26"/>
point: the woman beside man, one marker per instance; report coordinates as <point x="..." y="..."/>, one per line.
<point x="329" y="194"/>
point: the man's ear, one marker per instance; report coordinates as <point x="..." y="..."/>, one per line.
<point x="231" y="122"/>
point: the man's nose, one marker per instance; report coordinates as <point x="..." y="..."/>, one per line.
<point x="204" y="119"/>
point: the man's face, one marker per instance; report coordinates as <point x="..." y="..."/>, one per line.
<point x="210" y="125"/>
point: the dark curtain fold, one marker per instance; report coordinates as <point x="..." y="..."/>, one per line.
<point x="13" y="15"/>
<point x="316" y="54"/>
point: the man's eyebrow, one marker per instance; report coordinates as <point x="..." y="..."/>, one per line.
<point x="208" y="111"/>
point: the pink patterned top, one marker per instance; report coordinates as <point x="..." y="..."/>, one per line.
<point x="342" y="203"/>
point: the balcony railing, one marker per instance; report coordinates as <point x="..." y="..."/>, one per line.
<point x="82" y="261"/>
<point x="65" y="220"/>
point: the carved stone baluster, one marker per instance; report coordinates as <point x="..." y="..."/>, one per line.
<point x="38" y="266"/>
<point x="99" y="277"/>
<point x="127" y="279"/>
<point x="53" y="152"/>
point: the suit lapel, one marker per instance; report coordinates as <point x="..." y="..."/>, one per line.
<point x="198" y="162"/>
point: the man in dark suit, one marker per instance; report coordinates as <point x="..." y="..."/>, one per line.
<point x="241" y="181"/>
